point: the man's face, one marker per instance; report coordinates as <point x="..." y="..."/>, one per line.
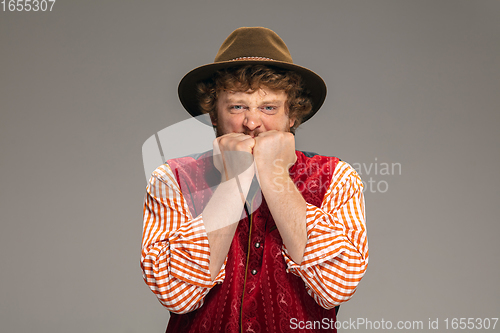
<point x="252" y="112"/>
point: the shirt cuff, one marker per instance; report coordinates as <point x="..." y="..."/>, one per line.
<point x="190" y="255"/>
<point x="325" y="240"/>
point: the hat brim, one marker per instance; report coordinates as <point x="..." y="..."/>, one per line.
<point x="187" y="86"/>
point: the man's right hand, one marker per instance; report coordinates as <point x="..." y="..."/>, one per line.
<point x="233" y="155"/>
<point x="233" y="158"/>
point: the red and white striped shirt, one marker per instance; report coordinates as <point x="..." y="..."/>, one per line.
<point x="175" y="249"/>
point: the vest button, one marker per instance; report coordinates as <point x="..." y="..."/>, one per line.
<point x="254" y="271"/>
<point x="257" y="245"/>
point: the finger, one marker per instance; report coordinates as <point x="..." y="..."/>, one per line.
<point x="251" y="142"/>
<point x="236" y="142"/>
<point x="215" y="144"/>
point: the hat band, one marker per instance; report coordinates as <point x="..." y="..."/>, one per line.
<point x="252" y="58"/>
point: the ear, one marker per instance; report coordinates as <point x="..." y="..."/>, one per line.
<point x="292" y="122"/>
<point x="213" y="118"/>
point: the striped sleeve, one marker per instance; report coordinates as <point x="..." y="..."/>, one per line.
<point x="175" y="250"/>
<point x="336" y="253"/>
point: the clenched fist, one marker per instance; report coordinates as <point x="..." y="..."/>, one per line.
<point x="274" y="153"/>
<point x="233" y="155"/>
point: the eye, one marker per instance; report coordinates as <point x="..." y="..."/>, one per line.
<point x="236" y="108"/>
<point x="269" y="109"/>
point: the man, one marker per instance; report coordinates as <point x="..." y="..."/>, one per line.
<point x="254" y="237"/>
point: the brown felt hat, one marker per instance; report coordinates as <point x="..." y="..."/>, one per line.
<point x="251" y="46"/>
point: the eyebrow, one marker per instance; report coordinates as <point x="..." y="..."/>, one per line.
<point x="229" y="100"/>
<point x="240" y="101"/>
<point x="274" y="101"/>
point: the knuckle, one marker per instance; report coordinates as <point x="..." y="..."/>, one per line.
<point x="241" y="145"/>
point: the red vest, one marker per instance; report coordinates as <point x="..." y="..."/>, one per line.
<point x="257" y="295"/>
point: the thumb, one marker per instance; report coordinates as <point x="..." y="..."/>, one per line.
<point x="217" y="155"/>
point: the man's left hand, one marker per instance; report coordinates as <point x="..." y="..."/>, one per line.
<point x="274" y="153"/>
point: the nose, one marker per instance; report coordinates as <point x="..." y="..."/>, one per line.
<point x="252" y="120"/>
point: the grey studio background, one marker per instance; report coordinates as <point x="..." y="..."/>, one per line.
<point x="412" y="84"/>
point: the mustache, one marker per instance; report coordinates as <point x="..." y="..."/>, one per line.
<point x="252" y="133"/>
